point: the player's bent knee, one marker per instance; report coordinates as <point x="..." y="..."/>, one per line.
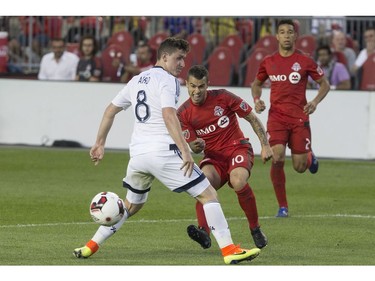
<point x="300" y="167"/>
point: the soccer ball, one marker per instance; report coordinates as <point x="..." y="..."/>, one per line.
<point x="107" y="208"/>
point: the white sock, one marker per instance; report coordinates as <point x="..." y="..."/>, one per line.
<point x="104" y="232"/>
<point x="217" y="223"/>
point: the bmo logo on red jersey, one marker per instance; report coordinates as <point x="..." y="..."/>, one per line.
<point x="205" y="131"/>
<point x="277" y="78"/>
<point x="293" y="78"/>
<point x="222" y="122"/>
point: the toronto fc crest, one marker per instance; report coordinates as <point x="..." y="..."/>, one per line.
<point x="218" y="111"/>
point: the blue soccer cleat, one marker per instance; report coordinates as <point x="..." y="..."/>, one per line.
<point x="283" y="212"/>
<point x="314" y="164"/>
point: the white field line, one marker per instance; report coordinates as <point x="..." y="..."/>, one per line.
<point x="188" y="220"/>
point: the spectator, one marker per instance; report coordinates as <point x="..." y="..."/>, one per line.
<point x="339" y="44"/>
<point x="179" y="27"/>
<point x="369" y="37"/>
<point x="142" y="62"/>
<point x="89" y="66"/>
<point x="33" y="55"/>
<point x="336" y="72"/>
<point x="15" y="57"/>
<point x="58" y="64"/>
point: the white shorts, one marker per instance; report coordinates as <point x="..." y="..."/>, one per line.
<point x="143" y="169"/>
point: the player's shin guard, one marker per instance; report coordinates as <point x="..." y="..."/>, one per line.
<point x="104" y="232"/>
<point x="218" y="224"/>
<point x="246" y="199"/>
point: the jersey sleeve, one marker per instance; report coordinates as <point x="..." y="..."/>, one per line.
<point x="238" y="105"/>
<point x="314" y="70"/>
<point x="262" y="74"/>
<point x="122" y="99"/>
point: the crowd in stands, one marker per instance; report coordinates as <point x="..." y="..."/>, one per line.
<point x="114" y="49"/>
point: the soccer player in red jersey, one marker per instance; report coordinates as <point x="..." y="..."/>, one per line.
<point x="209" y="122"/>
<point x="288" y="118"/>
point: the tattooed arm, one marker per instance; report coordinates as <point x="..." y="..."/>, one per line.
<point x="266" y="153"/>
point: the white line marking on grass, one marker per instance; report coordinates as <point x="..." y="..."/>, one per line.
<point x="186" y="220"/>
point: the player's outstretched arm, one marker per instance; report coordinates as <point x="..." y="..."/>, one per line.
<point x="97" y="151"/>
<point x="266" y="153"/>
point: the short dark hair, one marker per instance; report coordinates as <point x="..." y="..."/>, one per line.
<point x="324" y="47"/>
<point x="172" y="44"/>
<point x="286" y="21"/>
<point x="198" y="72"/>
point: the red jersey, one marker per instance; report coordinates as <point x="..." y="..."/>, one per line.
<point x="289" y="77"/>
<point x="214" y="121"/>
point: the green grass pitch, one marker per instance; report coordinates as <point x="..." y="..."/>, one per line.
<point x="45" y="196"/>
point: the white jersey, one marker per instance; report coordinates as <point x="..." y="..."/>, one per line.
<point x="147" y="93"/>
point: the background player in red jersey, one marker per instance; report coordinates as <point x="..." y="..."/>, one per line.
<point x="288" y="119"/>
<point x="209" y="122"/>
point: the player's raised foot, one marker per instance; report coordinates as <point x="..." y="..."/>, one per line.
<point x="282" y="213"/>
<point x="82" y="253"/>
<point x="239" y="255"/>
<point x="88" y="250"/>
<point x="259" y="238"/>
<point x="199" y="235"/>
<point x="314" y="166"/>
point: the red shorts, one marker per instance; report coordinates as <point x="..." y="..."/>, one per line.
<point x="296" y="136"/>
<point x="225" y="161"/>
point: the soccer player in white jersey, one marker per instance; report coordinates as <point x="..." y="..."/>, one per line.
<point x="159" y="150"/>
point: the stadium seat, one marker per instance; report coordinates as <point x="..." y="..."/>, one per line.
<point x="123" y="39"/>
<point x="307" y="44"/>
<point x="189" y="62"/>
<point x="156" y="39"/>
<point x="245" y="29"/>
<point x="91" y="23"/>
<point x="250" y="67"/>
<point x="235" y="44"/>
<point x="198" y="47"/>
<point x="268" y="42"/>
<point x="368" y="76"/>
<point x="53" y="26"/>
<point x="220" y="67"/>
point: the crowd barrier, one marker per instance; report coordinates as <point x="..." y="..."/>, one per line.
<point x="40" y="112"/>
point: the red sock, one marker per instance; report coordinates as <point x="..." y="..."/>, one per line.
<point x="202" y="222"/>
<point x="248" y="204"/>
<point x="278" y="181"/>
